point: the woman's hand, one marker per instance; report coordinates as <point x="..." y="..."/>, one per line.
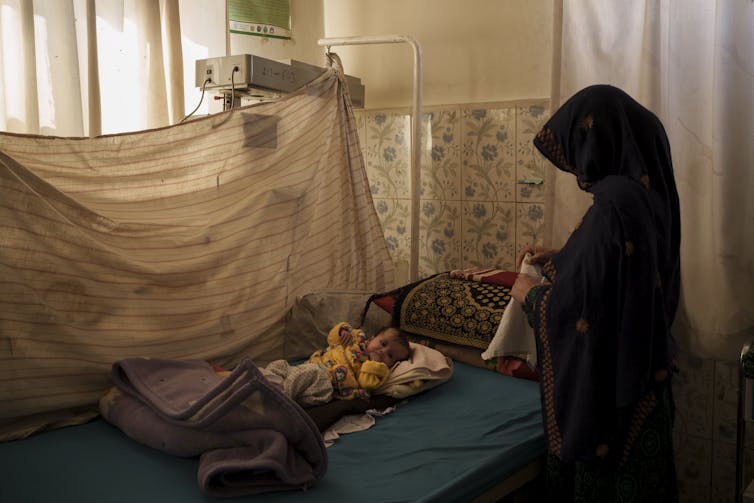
<point x="539" y="255"/>
<point x="521" y="287"/>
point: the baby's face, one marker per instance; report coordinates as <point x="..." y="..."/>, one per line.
<point x="385" y="348"/>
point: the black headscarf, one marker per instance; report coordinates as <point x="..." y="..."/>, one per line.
<point x="603" y="326"/>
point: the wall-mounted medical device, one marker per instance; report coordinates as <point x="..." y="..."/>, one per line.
<point x="247" y="78"/>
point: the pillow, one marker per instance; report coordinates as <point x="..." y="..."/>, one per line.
<point x="453" y="310"/>
<point x="386" y="301"/>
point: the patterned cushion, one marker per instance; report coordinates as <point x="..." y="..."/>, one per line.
<point x="452" y="310"/>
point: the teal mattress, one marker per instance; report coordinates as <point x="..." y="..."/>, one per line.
<point x="451" y="443"/>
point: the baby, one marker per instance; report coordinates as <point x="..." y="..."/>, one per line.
<point x="357" y="364"/>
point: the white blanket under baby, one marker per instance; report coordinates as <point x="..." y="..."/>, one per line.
<point x="424" y="369"/>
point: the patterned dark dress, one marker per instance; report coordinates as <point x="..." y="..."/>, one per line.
<point x="602" y="325"/>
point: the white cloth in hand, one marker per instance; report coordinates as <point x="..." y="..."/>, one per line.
<point x="514" y="336"/>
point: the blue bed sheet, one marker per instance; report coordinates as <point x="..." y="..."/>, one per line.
<point x="450" y="443"/>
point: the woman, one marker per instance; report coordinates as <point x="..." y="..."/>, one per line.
<point x="602" y="320"/>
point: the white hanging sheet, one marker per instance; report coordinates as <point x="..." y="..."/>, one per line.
<point x="185" y="242"/>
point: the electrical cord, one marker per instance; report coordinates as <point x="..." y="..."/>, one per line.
<point x="200" y="101"/>
<point x="233" y="86"/>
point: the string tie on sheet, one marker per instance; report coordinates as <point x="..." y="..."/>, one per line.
<point x="333" y="60"/>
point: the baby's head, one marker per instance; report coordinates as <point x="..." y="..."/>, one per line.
<point x="389" y="346"/>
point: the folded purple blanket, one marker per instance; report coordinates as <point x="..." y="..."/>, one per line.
<point x="250" y="437"/>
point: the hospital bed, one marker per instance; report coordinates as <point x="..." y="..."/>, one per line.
<point x="476" y="437"/>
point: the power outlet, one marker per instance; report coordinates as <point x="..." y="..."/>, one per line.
<point x="206" y="73"/>
<point x="225" y="72"/>
<point x="234" y="70"/>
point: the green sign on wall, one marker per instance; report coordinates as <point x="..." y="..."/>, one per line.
<point x="263" y="18"/>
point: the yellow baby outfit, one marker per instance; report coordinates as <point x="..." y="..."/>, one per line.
<point x="352" y="373"/>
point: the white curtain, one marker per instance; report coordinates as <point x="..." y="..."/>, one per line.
<point x="91" y="67"/>
<point x="692" y="63"/>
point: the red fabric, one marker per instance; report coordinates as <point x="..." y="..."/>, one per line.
<point x="387" y="303"/>
<point x="486" y="275"/>
<point x="515" y="367"/>
<point x="502" y="278"/>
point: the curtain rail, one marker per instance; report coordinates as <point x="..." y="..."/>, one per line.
<point x="413" y="266"/>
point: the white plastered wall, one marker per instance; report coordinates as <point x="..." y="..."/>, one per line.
<point x="473" y="50"/>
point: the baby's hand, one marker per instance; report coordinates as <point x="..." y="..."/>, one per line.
<point x="346" y="338"/>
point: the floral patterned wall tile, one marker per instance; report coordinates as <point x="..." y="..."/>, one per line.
<point x="530" y="224"/>
<point x="693" y="394"/>
<point x="530" y="164"/>
<point x="440" y="236"/>
<point x="473" y="213"/>
<point x="723" y="488"/>
<point x="692" y="458"/>
<point x="441" y="159"/>
<point x="488" y="234"/>
<point x="395" y="217"/>
<point x="726" y="402"/>
<point x="361" y="118"/>
<point x="488" y="154"/>
<point x="388" y="154"/>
